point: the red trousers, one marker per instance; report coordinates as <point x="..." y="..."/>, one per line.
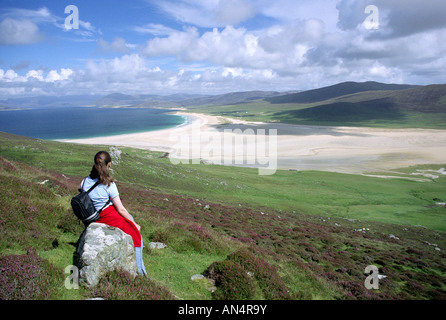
<point x="112" y="218"/>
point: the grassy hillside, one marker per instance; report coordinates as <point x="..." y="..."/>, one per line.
<point x="349" y="104"/>
<point x="334" y="91"/>
<point x="305" y="235"/>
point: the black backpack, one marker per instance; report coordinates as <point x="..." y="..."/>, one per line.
<point x="83" y="207"/>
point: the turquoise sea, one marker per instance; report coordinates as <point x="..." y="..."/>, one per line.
<point x="81" y="122"/>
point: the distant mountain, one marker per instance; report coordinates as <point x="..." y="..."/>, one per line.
<point x="228" y="98"/>
<point x="343" y="99"/>
<point x="191" y="101"/>
<point x="430" y="98"/>
<point x="49" y="101"/>
<point x="139" y="100"/>
<point x="119" y="99"/>
<point x="420" y="106"/>
<point x="168" y="101"/>
<point x="334" y="91"/>
<point x="143" y="100"/>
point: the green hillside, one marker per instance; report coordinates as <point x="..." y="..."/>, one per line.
<point x="349" y="104"/>
<point x="334" y="91"/>
<point x="306" y="235"/>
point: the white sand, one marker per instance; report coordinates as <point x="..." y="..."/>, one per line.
<point x="339" y="149"/>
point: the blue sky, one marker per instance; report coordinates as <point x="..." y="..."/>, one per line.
<point x="217" y="46"/>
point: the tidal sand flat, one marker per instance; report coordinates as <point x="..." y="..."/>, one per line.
<point x="299" y="147"/>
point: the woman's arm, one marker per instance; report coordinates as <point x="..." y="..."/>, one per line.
<point x="122" y="210"/>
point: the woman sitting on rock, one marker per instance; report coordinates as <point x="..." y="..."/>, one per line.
<point x="115" y="214"/>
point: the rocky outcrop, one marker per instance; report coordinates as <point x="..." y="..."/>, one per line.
<point x="102" y="249"/>
<point x="157" y="245"/>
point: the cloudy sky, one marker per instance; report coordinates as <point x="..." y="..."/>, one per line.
<point x="216" y="46"/>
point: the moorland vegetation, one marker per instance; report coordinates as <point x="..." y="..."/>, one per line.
<point x="292" y="235"/>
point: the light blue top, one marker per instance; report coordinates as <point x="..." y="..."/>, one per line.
<point x="101" y="194"/>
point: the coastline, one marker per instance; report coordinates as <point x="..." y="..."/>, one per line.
<point x="156" y="140"/>
<point x="299" y="147"/>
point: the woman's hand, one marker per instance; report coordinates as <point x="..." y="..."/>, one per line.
<point x="137" y="226"/>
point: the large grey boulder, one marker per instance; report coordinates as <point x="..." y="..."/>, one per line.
<point x="102" y="249"/>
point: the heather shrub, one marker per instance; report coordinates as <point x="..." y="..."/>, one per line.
<point x="69" y="223"/>
<point x="267" y="277"/>
<point x="245" y="258"/>
<point x="161" y="236"/>
<point x="7" y="165"/>
<point x="29" y="214"/>
<point x="414" y="288"/>
<point x="28" y="277"/>
<point x="319" y="256"/>
<point x="232" y="281"/>
<point x="55" y="183"/>
<point x="121" y="285"/>
<point x="356" y="291"/>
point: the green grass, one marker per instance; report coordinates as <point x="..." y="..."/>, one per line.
<point x="302" y="223"/>
<point x="174" y="270"/>
<point x="397" y="201"/>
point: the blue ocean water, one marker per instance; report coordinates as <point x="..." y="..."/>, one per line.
<point x="73" y="123"/>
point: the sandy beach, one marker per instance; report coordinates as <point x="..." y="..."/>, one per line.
<point x="228" y="141"/>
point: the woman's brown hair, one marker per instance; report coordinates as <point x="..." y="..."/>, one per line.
<point x="100" y="168"/>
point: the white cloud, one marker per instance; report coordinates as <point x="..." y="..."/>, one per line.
<point x="326" y="40"/>
<point x="221" y="13"/>
<point x="229" y="47"/>
<point x="232" y="12"/>
<point x="36" y="82"/>
<point x="37" y="16"/>
<point x="36" y="74"/>
<point x="233" y="72"/>
<point x="118" y="45"/>
<point x="133" y="74"/>
<point x="287" y="11"/>
<point x="18" y="32"/>
<point x="301" y="45"/>
<point x="396" y="18"/>
<point x="177" y="43"/>
<point x="279" y="48"/>
<point x="21" y="26"/>
<point x="209" y="13"/>
<point x="10" y="76"/>
<point x="128" y="73"/>
<point x="54" y="76"/>
<point x="154" y="29"/>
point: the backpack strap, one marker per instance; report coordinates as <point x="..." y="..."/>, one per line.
<point x="108" y="202"/>
<point x="92" y="187"/>
<point x="100" y="210"/>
